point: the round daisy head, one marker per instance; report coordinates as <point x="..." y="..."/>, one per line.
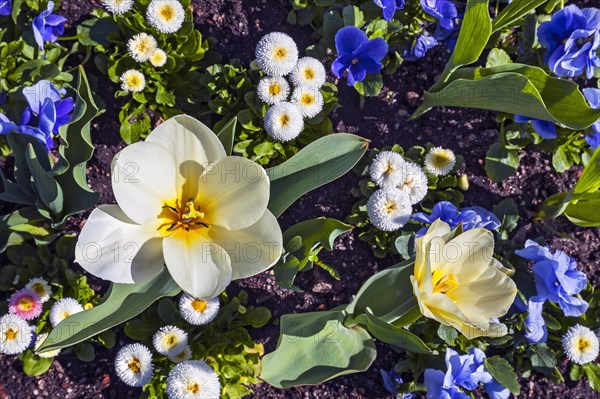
<point x="133" y="365"/>
<point x="413" y="181"/>
<point x="309" y="100"/>
<point x="193" y="379"/>
<point x="118" y="6"/>
<point x="186" y="354"/>
<point x="25" y="303"/>
<point x="439" y="161"/>
<point x="133" y="81"/>
<point x="283" y="121"/>
<point x="15" y="334"/>
<point x="198" y="311"/>
<point x="277" y="54"/>
<point x="142" y="46"/>
<point x="158" y="58"/>
<point x="273" y="89"/>
<point x="170" y="340"/>
<point x="165" y="15"/>
<point x="38" y="342"/>
<point x="389" y="209"/>
<point x="385" y="170"/>
<point x="40" y="286"/>
<point x="309" y="72"/>
<point x="580" y="344"/>
<point x="62" y="309"/>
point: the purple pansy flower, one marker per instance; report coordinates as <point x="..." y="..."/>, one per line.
<point x="47" y="27"/>
<point x="545" y="129"/>
<point x="420" y="48"/>
<point x="572" y="38"/>
<point x="357" y="54"/>
<point x="5" y="8"/>
<point x="470" y="217"/>
<point x="593" y="96"/>
<point x="389" y="7"/>
<point x="556" y="277"/>
<point x="443" y="10"/>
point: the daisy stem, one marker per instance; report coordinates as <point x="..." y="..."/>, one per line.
<point x="65" y="38"/>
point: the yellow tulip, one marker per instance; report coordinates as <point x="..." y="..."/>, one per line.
<point x="183" y="203"/>
<point x="458" y="283"/>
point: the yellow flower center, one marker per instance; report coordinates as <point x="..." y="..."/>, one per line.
<point x="274" y="89"/>
<point x="87" y="306"/>
<point x="166" y="12"/>
<point x="10" y="334"/>
<point x="39" y="289"/>
<point x="309" y="74"/>
<point x="583" y="344"/>
<point x="443" y="284"/>
<point x="170" y="340"/>
<point x="354" y="61"/>
<point x="284" y="120"/>
<point x="135" y="365"/>
<point x="187" y="217"/>
<point x="390" y="207"/>
<point x="134" y="80"/>
<point x="65" y="315"/>
<point x="441" y="159"/>
<point x="25" y="304"/>
<point x="193" y="387"/>
<point x="307" y="99"/>
<point x="181" y="355"/>
<point x="199" y="305"/>
<point x="143" y="46"/>
<point x="280" y="52"/>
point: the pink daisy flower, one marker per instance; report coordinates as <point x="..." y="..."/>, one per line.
<point x="25" y="303"/>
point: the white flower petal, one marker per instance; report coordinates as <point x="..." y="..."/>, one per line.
<point x="114" y="248"/>
<point x="252" y="250"/>
<point x="234" y="193"/>
<point x="143" y="180"/>
<point x="199" y="266"/>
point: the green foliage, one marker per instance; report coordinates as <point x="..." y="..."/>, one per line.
<point x="302" y="244"/>
<point x="441" y="188"/>
<point x="503" y="372"/>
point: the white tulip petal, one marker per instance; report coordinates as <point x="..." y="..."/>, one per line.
<point x="113" y="247"/>
<point x="252" y="250"/>
<point x="143" y="179"/>
<point x="199" y="266"/>
<point x="234" y="193"/>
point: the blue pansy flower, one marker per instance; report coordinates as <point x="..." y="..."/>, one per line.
<point x="357" y="54"/>
<point x="47" y="27"/>
<point x="391" y="380"/>
<point x="556" y="277"/>
<point x="545" y="129"/>
<point x="443" y="10"/>
<point x="593" y="96"/>
<point x="390" y="7"/>
<point x="471" y="217"/>
<point x="536" y="330"/>
<point x="420" y="48"/>
<point x="5" y="8"/>
<point x="572" y="38"/>
<point x="448" y="37"/>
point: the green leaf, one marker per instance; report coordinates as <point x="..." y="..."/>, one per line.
<point x="576" y="372"/>
<point x="34" y="365"/>
<point x="447" y="334"/>
<point x="503" y="372"/>
<point x="496" y="57"/>
<point x="590" y="177"/>
<point x="94" y="32"/>
<point x="85" y="352"/>
<point x="353" y="16"/>
<point x="316" y="347"/>
<point x="513" y="12"/>
<point x="321" y="162"/>
<point x="227" y="134"/>
<point x="370" y="87"/>
<point x="121" y="303"/>
<point x="500" y="163"/>
<point x="507" y="212"/>
<point x="542" y="359"/>
<point x="585" y="211"/>
<point x="592" y="373"/>
<point x="393" y="335"/>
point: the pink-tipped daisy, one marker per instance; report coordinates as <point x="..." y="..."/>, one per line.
<point x="25" y="303"/>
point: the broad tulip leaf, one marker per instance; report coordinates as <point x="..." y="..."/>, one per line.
<point x="49" y="192"/>
<point x="585" y="211"/>
<point x="393" y="335"/>
<point x="316" y="347"/>
<point x="513" y="12"/>
<point x="227" y="134"/>
<point x="590" y="177"/>
<point x="320" y="162"/>
<point x="121" y="303"/>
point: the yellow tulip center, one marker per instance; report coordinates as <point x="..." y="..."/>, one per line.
<point x="166" y="12"/>
<point x="187" y="217"/>
<point x="582" y="344"/>
<point x="199" y="305"/>
<point x="443" y="284"/>
<point x="309" y="74"/>
<point x="25" y="304"/>
<point x="10" y="334"/>
<point x="280" y="52"/>
<point x="135" y="365"/>
<point x="193" y="388"/>
<point x="274" y="89"/>
<point x="307" y="99"/>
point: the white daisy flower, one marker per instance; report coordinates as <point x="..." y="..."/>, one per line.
<point x="133" y="365"/>
<point x="276" y="54"/>
<point x="38" y="342"/>
<point x="273" y="89"/>
<point x="309" y="100"/>
<point x="166" y="16"/>
<point x="439" y="161"/>
<point x="40" y="286"/>
<point x="385" y="169"/>
<point x="142" y="46"/>
<point x="170" y="340"/>
<point x="198" y="311"/>
<point x="283" y="121"/>
<point x="62" y="309"/>
<point x="133" y="81"/>
<point x="413" y="182"/>
<point x="15" y="334"/>
<point x="309" y="72"/>
<point x="581" y="344"/>
<point x="193" y="379"/>
<point x="186" y="354"/>
<point x="158" y="58"/>
<point x="389" y="209"/>
<point x="118" y="6"/>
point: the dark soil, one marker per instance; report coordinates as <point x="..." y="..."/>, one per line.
<point x="238" y="25"/>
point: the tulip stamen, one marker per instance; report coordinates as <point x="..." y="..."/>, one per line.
<point x="446" y="284"/>
<point x="187" y="217"/>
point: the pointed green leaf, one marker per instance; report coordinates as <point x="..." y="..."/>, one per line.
<point x="227" y="134"/>
<point x="393" y="335"/>
<point x="503" y="372"/>
<point x="516" y="10"/>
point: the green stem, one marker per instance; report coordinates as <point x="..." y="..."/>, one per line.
<point x="65" y="38"/>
